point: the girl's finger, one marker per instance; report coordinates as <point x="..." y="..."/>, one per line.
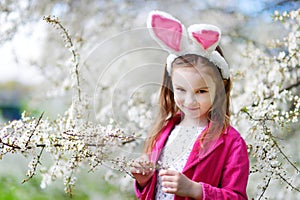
<point x="162" y="172"/>
<point x="166" y="178"/>
<point x="136" y="168"/>
<point x="148" y="166"/>
<point x="140" y="169"/>
<point x="168" y="190"/>
<point x="146" y="163"/>
<point x="167" y="172"/>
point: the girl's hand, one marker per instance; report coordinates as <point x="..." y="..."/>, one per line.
<point x="142" y="169"/>
<point x="174" y="182"/>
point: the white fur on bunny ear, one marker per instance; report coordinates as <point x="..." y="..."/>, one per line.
<point x="166" y="30"/>
<point x="208" y="36"/>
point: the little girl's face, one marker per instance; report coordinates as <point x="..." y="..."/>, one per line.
<point x="194" y="92"/>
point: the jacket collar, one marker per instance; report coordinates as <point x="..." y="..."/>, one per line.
<point x="196" y="155"/>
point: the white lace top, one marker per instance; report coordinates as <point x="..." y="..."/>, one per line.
<point x="175" y="153"/>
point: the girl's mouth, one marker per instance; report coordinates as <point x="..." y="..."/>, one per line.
<point x="189" y="108"/>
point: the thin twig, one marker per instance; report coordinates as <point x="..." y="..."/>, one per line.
<point x="9" y="145"/>
<point x="55" y="21"/>
<point x="287" y="182"/>
<point x="297" y="84"/>
<point x="265" y="187"/>
<point x="35" y="165"/>
<point x="38" y="122"/>
<point x="284" y="155"/>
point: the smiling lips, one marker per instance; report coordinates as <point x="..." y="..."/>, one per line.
<point x="192" y="109"/>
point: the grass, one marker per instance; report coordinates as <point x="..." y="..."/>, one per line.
<point x="13" y="189"/>
<point x="86" y="188"/>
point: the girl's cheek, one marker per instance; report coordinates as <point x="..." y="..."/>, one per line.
<point x="178" y="101"/>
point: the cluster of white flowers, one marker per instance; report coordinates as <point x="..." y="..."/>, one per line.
<point x="71" y="140"/>
<point x="69" y="146"/>
<point x="271" y="89"/>
<point x="140" y="112"/>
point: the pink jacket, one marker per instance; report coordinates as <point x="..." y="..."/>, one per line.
<point x="222" y="171"/>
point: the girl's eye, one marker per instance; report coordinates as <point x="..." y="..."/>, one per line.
<point x="202" y="91"/>
<point x="180" y="89"/>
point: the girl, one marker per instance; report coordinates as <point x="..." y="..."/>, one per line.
<point x="206" y="158"/>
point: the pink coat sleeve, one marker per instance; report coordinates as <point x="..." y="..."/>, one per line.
<point x="234" y="176"/>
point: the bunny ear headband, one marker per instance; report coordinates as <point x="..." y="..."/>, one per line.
<point x="199" y="39"/>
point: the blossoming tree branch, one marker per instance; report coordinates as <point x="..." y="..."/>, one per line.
<point x="267" y="104"/>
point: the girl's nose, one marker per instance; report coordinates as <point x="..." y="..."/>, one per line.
<point x="191" y="99"/>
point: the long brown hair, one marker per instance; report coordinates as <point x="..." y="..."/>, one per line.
<point x="218" y="114"/>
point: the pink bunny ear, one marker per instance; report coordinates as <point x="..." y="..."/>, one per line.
<point x="208" y="36"/>
<point x="165" y="29"/>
